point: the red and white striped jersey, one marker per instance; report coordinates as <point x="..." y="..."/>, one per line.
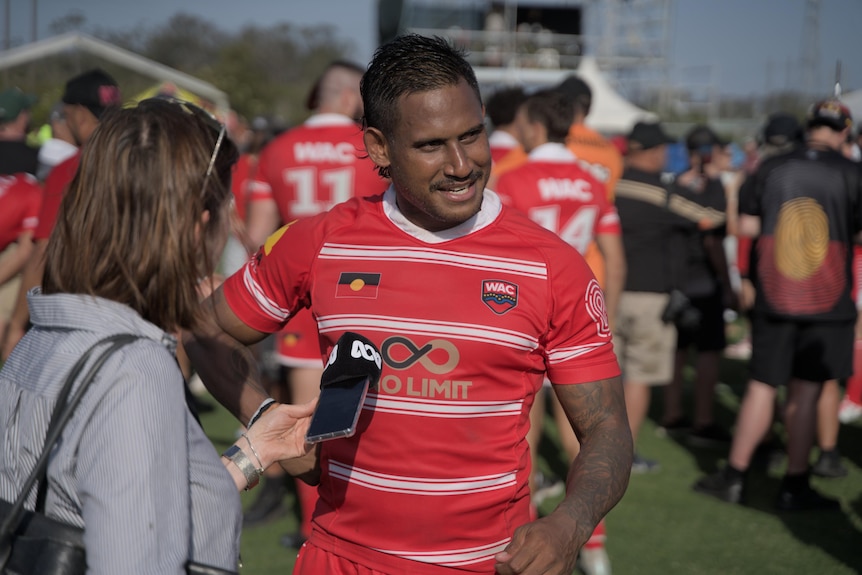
<point x="561" y="196"/>
<point x="469" y="322"/>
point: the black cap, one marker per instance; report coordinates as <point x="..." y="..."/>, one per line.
<point x="94" y="89"/>
<point x="702" y="136"/>
<point x="781" y="129"/>
<point x="646" y="135"/>
<point x="831" y="113"/>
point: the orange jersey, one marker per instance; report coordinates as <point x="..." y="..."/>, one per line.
<point x="602" y="159"/>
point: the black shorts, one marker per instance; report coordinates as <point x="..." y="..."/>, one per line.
<point x="710" y="335"/>
<point x="813" y="351"/>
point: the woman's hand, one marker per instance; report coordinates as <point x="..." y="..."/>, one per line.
<point x="279" y="434"/>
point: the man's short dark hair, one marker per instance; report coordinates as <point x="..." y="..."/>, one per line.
<point x="410" y="64"/>
<point x="579" y="91"/>
<point x="552" y="109"/>
<point x="502" y="105"/>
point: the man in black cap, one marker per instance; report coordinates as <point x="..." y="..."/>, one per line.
<point x="804" y="208"/>
<point x="85" y="99"/>
<point x="651" y="216"/>
<point x="15" y="155"/>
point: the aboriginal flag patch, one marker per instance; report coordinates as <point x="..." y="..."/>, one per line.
<point x="357" y="284"/>
<point x="499" y="295"/>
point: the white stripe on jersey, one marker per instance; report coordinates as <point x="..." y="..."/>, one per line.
<point x="420" y="485"/>
<point x="434" y="256"/>
<point x="454" y="557"/>
<point x="466" y="331"/>
<point x="266" y="305"/>
<point x="566" y="353"/>
<point x="438" y="408"/>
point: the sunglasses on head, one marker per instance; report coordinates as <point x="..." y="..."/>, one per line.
<point x="211" y="122"/>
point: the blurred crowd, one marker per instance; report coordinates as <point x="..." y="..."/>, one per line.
<point x="680" y="252"/>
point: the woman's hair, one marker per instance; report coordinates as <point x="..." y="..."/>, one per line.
<point x="130" y="227"/>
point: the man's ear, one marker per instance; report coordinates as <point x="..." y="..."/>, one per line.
<point x="377" y="147"/>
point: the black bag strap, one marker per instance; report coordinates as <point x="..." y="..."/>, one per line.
<point x="62" y="413"/>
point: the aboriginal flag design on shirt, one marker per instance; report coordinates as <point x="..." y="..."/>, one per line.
<point x="803" y="255"/>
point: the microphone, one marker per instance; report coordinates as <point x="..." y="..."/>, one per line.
<point x="352" y="359"/>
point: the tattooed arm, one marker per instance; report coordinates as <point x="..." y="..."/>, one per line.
<point x="218" y="349"/>
<point x="596" y="482"/>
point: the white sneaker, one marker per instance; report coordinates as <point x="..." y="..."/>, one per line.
<point x="594" y="561"/>
<point x="849" y="411"/>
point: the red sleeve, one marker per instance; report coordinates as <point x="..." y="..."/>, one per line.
<point x="273" y="285"/>
<point x="580" y="347"/>
<point x="55" y="187"/>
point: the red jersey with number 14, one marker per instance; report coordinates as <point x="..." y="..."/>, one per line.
<point x="559" y="195"/>
<point x="468" y="322"/>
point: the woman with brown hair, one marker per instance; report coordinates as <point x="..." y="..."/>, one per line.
<point x="143" y="221"/>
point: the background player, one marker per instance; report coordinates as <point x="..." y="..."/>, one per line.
<point x="301" y="173"/>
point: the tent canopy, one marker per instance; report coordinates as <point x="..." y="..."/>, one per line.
<point x="76" y="40"/>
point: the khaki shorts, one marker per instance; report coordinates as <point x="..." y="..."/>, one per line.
<point x="644" y="344"/>
<point x="9" y="290"/>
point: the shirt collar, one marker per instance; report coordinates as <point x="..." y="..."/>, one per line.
<point x="98" y="315"/>
<point x="490" y="210"/>
<point x="552" y="152"/>
<point x="328" y="119"/>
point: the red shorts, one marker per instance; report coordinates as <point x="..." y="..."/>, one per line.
<point x="312" y="560"/>
<point x="297" y="345"/>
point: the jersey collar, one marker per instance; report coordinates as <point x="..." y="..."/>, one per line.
<point x="551" y="152"/>
<point x="328" y="119"/>
<point x="491" y="207"/>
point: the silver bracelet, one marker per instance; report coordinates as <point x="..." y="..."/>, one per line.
<point x="254" y="452"/>
<point x="244" y="464"/>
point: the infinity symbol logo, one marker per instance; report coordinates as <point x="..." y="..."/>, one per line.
<point x="420" y="354"/>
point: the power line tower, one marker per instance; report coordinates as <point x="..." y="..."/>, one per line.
<point x="811" y="48"/>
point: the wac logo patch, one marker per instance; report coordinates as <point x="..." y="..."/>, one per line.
<point x="499" y="295"/>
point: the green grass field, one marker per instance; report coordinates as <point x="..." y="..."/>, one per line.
<point x="661" y="527"/>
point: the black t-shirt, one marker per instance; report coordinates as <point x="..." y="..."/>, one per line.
<point x="810" y="206"/>
<point x="651" y="232"/>
<point x="16" y="157"/>
<point x="699" y="277"/>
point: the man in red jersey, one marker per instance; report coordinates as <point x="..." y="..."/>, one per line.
<point x="301" y="173"/>
<point x="20" y="197"/>
<point x="557" y="193"/>
<point x="85" y="99"/>
<point x="472" y="305"/>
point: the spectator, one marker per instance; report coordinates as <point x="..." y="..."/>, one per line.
<point x="20" y="196"/>
<point x="561" y="196"/>
<point x="805" y="213"/>
<point x="651" y="217"/>
<point x="471" y="305"/>
<point x="59" y="146"/>
<point x="706" y="284"/>
<point x="133" y="466"/>
<point x="500" y="109"/>
<point x="85" y="99"/>
<point x="16" y="155"/>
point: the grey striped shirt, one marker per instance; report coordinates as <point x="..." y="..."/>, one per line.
<point x="133" y="467"/>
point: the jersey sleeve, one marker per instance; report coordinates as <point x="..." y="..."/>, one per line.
<point x="258" y="186"/>
<point x="273" y="285"/>
<point x="55" y="187"/>
<point x="748" y="200"/>
<point x="579" y="347"/>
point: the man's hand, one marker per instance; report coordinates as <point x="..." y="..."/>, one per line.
<point x="539" y="548"/>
